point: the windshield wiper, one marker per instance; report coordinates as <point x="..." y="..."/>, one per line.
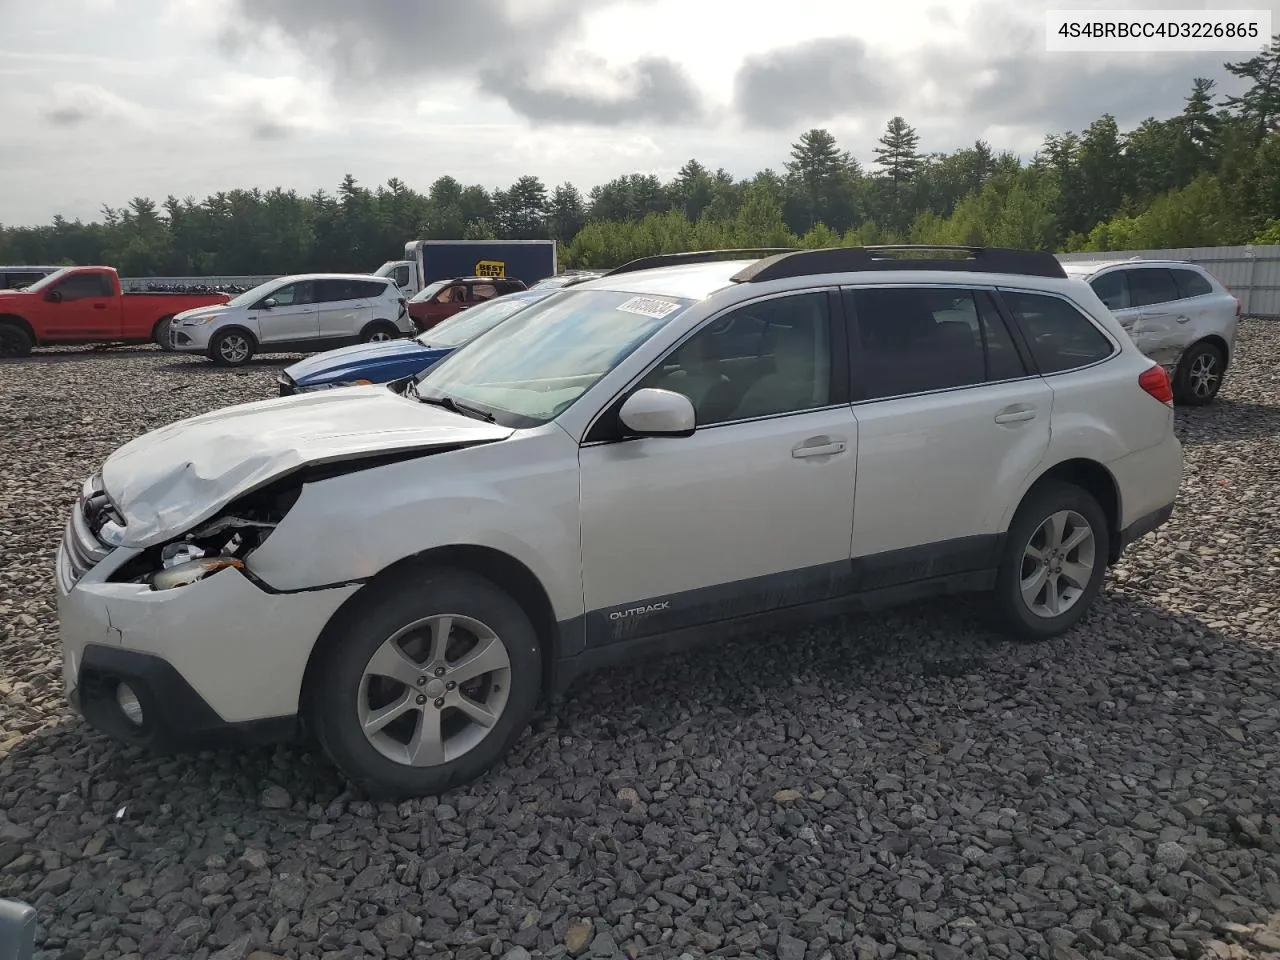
<point x="446" y="401"/>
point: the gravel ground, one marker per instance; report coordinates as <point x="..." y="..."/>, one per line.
<point x="907" y="785"/>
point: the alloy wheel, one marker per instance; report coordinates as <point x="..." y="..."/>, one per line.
<point x="1057" y="564"/>
<point x="432" y="691"/>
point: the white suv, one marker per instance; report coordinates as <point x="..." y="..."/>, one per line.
<point x="1177" y="313"/>
<point x="299" y="314"/>
<point x="683" y="448"/>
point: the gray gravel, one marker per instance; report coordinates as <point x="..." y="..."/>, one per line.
<point x="908" y="785"/>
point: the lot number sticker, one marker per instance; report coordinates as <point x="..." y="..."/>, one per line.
<point x="649" y="307"/>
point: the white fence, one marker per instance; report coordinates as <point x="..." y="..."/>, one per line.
<point x="1251" y="272"/>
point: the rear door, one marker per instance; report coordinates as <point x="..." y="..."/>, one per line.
<point x="82" y="306"/>
<point x="950" y="418"/>
<point x="342" y="310"/>
<point x="1207" y="310"/>
<point x="291" y="316"/>
<point x="1155" y="317"/>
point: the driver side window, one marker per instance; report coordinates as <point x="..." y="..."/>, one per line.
<point x="764" y="359"/>
<point x="292" y="294"/>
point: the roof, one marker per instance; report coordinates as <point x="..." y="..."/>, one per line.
<point x="1087" y="268"/>
<point x="697" y="281"/>
<point x="332" y="276"/>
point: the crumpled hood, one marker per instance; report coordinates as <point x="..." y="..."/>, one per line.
<point x="167" y="481"/>
<point x="378" y="362"/>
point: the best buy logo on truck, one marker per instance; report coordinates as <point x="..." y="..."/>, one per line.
<point x="491" y="268"/>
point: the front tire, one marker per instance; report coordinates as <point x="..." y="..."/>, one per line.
<point x="1055" y="558"/>
<point x="1198" y="378"/>
<point x="232" y="347"/>
<point x="14" y="341"/>
<point x="424" y="684"/>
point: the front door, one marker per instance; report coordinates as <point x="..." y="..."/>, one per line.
<point x="291" y="315"/>
<point x="949" y="421"/>
<point x="86" y="308"/>
<point x="753" y="511"/>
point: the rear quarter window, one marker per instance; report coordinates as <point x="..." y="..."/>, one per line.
<point x="1191" y="284"/>
<point x="1060" y="336"/>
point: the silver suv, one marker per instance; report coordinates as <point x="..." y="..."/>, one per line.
<point x="1177" y="313"/>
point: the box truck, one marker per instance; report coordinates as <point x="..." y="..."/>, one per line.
<point x="426" y="261"/>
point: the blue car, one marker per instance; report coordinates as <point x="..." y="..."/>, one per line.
<point x="393" y="359"/>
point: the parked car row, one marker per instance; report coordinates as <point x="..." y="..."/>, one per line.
<point x="616" y="468"/>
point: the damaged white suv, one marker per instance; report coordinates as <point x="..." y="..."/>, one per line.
<point x="685" y="447"/>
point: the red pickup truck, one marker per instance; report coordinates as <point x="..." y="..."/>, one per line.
<point x="85" y="305"/>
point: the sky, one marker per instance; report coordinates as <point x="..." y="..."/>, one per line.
<point x="104" y="100"/>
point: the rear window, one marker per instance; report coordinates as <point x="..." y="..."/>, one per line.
<point x="1060" y="336"/>
<point x="1191" y="284"/>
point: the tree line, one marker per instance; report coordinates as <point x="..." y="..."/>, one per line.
<point x="1208" y="176"/>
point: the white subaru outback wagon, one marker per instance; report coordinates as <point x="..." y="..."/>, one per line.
<point x="687" y="446"/>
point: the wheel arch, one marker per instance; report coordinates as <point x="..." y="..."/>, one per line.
<point x="12" y="319"/>
<point x="499" y="568"/>
<point x="1216" y="340"/>
<point x="1095" y="479"/>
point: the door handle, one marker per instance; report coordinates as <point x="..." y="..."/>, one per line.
<point x="1183" y="318"/>
<point x="818" y="447"/>
<point x="99" y="306"/>
<point x="1018" y="414"/>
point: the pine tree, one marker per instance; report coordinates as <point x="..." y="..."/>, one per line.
<point x="1260" y="104"/>
<point x="897" y="155"/>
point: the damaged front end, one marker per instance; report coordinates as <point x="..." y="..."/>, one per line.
<point x="226" y="540"/>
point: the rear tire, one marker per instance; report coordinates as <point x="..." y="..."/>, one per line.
<point x="1198" y="378"/>
<point x="1055" y="558"/>
<point x="378" y="331"/>
<point x="161" y="333"/>
<point x="437" y="733"/>
<point x="14" y="341"/>
<point x="232" y="347"/>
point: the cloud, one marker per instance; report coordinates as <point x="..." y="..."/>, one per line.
<point x="75" y="104"/>
<point x="652" y="88"/>
<point x="507" y="46"/>
<point x="992" y="71"/>
<point x="810" y="81"/>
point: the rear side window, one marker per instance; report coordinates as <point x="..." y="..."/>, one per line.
<point x="1191" y="284"/>
<point x="1060" y="336"/>
<point x="1151" y="285"/>
<point x="924" y="339"/>
<point x="1112" y="289"/>
<point x="81" y="286"/>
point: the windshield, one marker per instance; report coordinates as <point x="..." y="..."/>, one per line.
<point x="252" y="296"/>
<point x="48" y="281"/>
<point x="429" y="291"/>
<point x="462" y="327"/>
<point x="547" y="356"/>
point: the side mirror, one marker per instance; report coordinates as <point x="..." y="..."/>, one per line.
<point x="651" y="412"/>
<point x="268" y="303"/>
<point x="54" y="296"/>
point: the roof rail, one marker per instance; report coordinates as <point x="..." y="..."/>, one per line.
<point x="805" y="263"/>
<point x="697" y="256"/>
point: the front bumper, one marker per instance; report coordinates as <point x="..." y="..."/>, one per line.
<point x="222" y="658"/>
<point x="189" y="339"/>
<point x="174" y="716"/>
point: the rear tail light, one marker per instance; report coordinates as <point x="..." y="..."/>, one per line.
<point x="1156" y="382"/>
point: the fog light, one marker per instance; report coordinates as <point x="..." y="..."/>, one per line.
<point x="129" y="704"/>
